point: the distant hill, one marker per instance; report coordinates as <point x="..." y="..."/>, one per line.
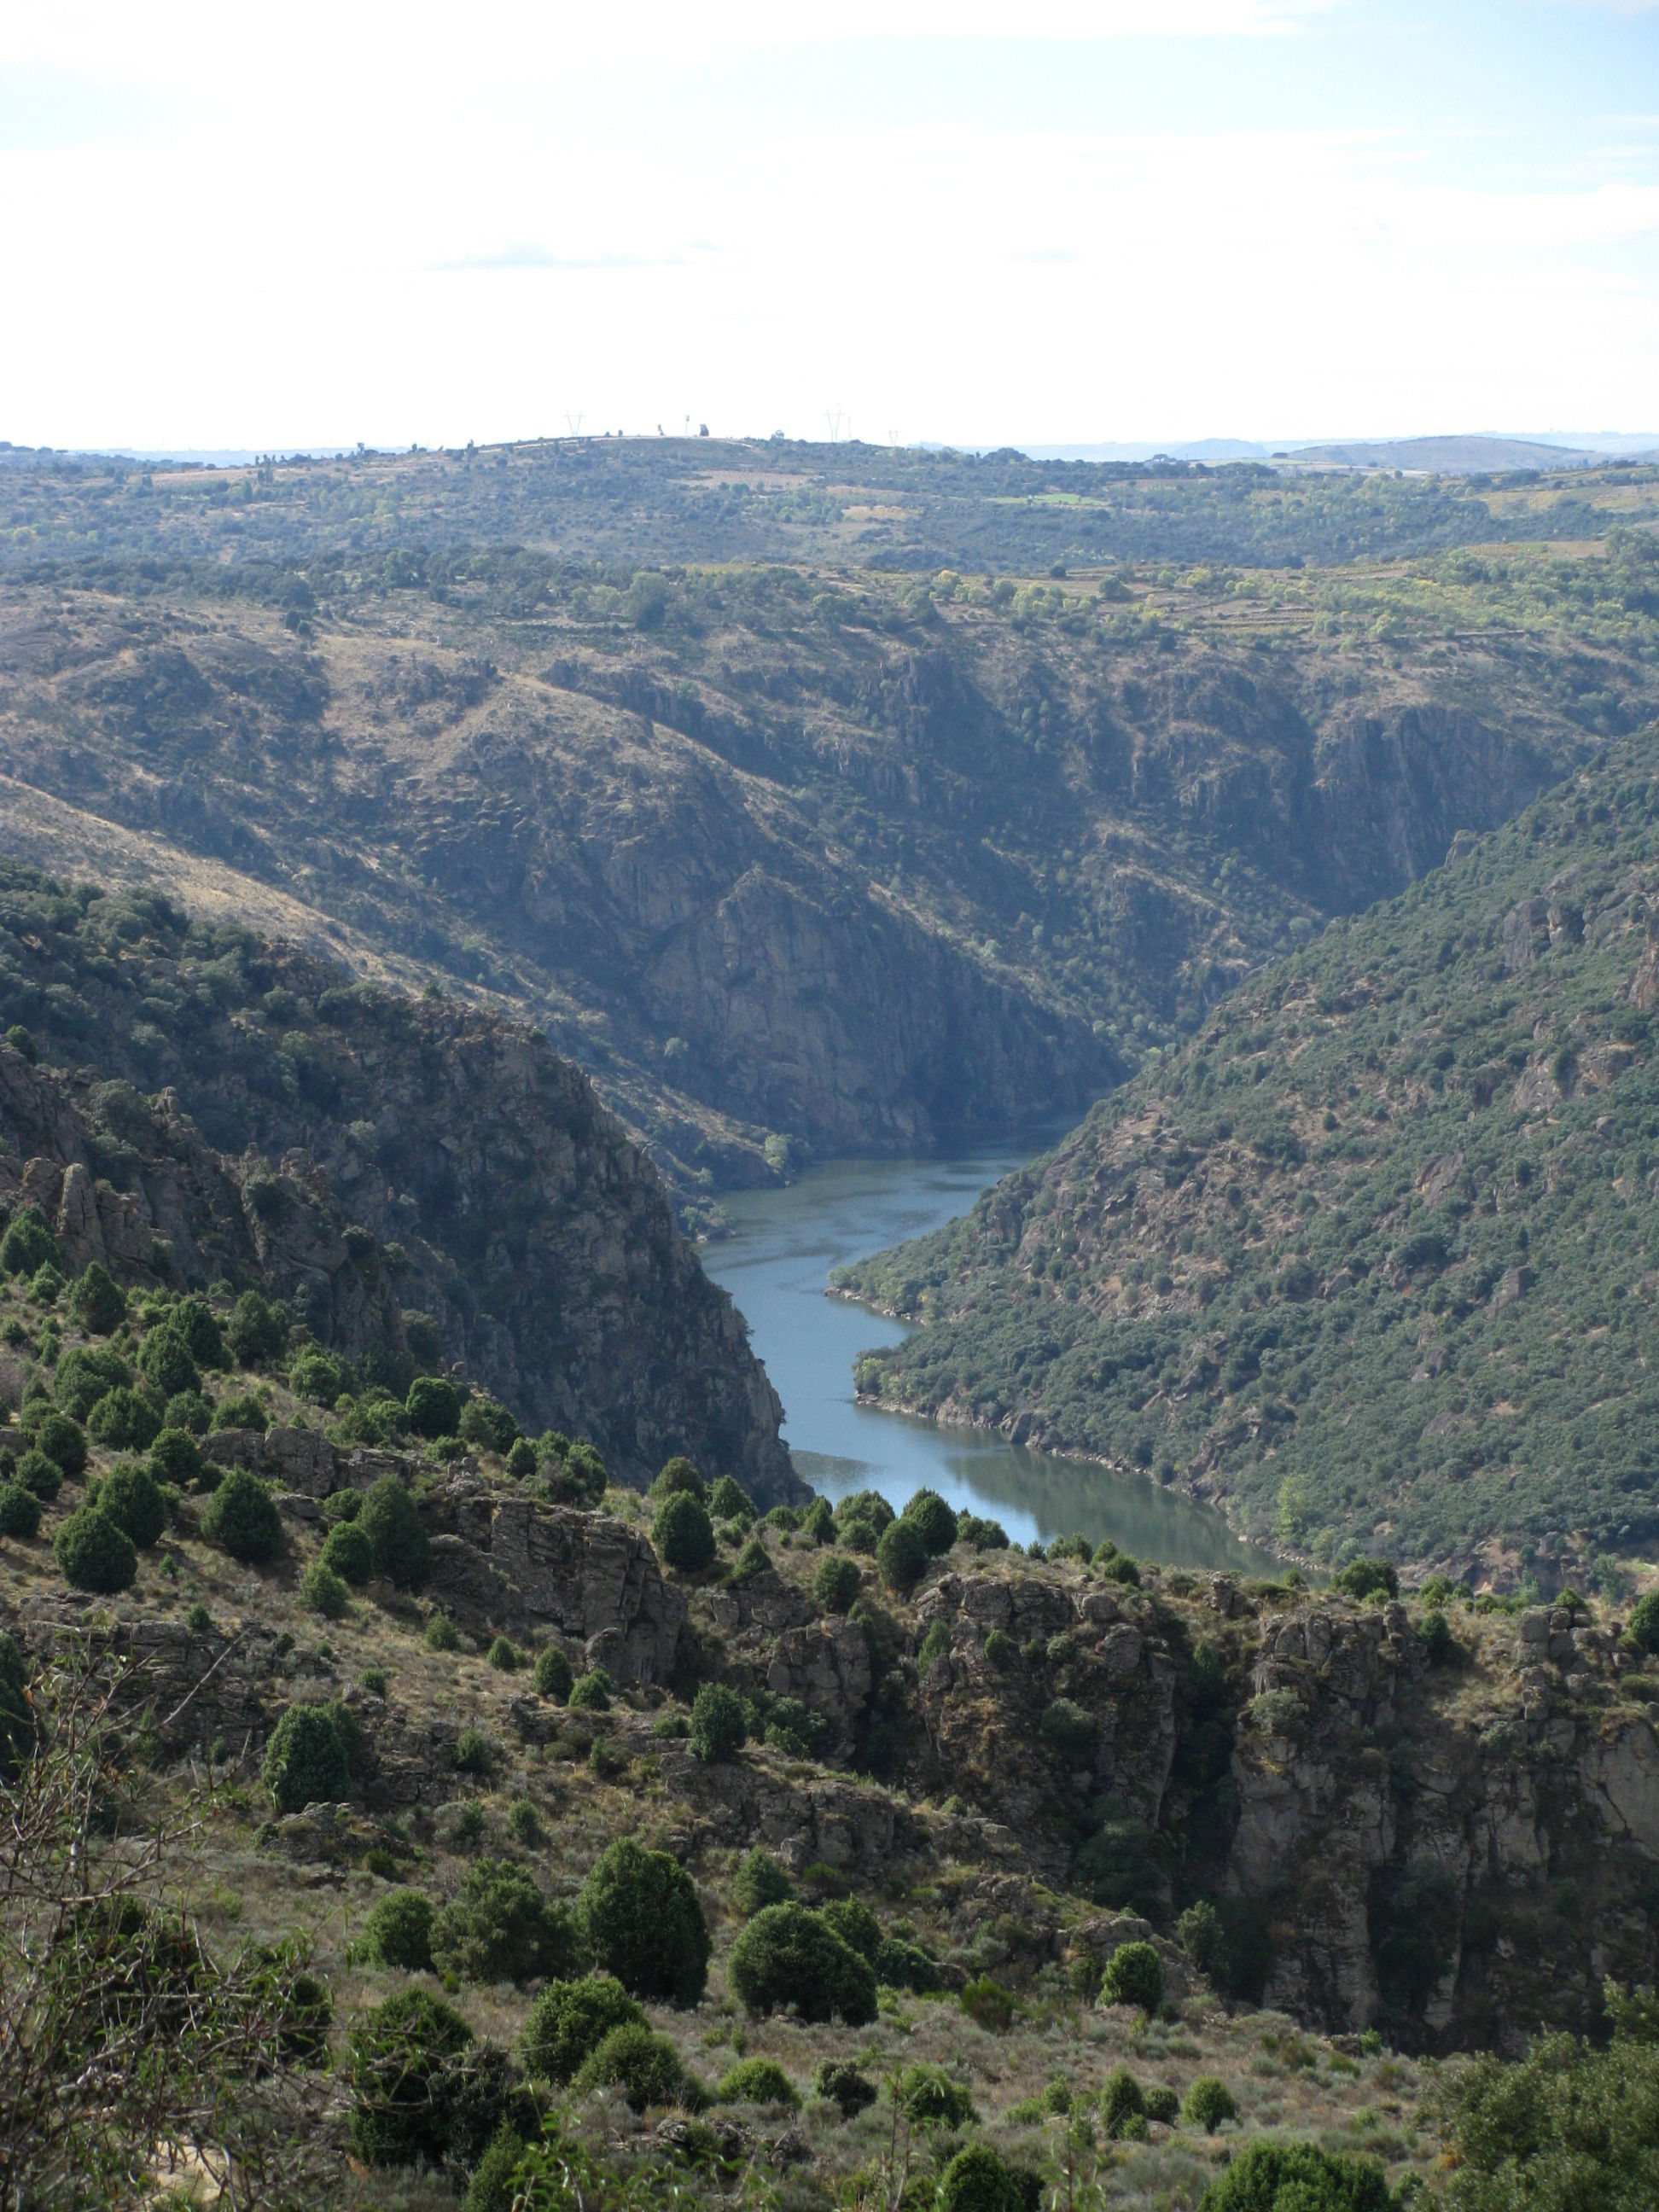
<point x="1468" y="456"/>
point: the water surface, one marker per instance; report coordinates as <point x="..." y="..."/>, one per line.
<point x="776" y="1266"/>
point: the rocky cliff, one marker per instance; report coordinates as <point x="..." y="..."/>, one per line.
<point x="296" y="1118"/>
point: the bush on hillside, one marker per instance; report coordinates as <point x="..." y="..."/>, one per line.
<point x="97" y="1302"/>
<point x="901" y="1555"/>
<point x="570" y="2021"/>
<point x="928" y="2097"/>
<point x="132" y="1499"/>
<point x="85" y="1374"/>
<point x="305" y="1760"/>
<point x="391" y="1520"/>
<point x="123" y="1420"/>
<point x="933" y="1520"/>
<point x="682" y="1533"/>
<point x="501" y="1927"/>
<point x="590" y="1692"/>
<point x="679" y="1475"/>
<point x="398" y="1931"/>
<point x="552" y="1673"/>
<point x="840" y="2083"/>
<point x="729" y="1501"/>
<point x="1265" y="2176"/>
<point x="197" y="1326"/>
<point x="644" y="2066"/>
<point x="62" y="1441"/>
<point x="502" y="1655"/>
<point x="422" y="2088"/>
<point x="789" y="1958"/>
<point x="1364" y="1578"/>
<point x="176" y="1457"/>
<point x="348" y="1551"/>
<point x="487" y="1425"/>
<point x="433" y="1406"/>
<point x="28" y="1244"/>
<point x="758" y="2082"/>
<point x="20" y="1511"/>
<point x="256" y="1330"/>
<point x="1208" y="2102"/>
<point x="1643" y="1622"/>
<point x="1122" y="2107"/>
<point x="165" y="1362"/>
<point x="836" y="1582"/>
<point x="857" y="1926"/>
<point x="860" y="1518"/>
<point x="719" y="1726"/>
<point x="318" y="1377"/>
<point x="42" y="1477"/>
<point x="242" y="1517"/>
<point x="760" y="1881"/>
<point x="1133" y="1976"/>
<point x="980" y="2179"/>
<point x="645" y="1924"/>
<point x="322" y="1591"/>
<point x="93" y="1554"/>
<point x="988" y="2004"/>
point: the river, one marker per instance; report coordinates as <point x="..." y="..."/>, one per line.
<point x="776" y="1264"/>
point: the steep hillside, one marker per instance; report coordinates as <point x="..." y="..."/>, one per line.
<point x="811" y="857"/>
<point x="523" y="1233"/>
<point x="1371" y="1260"/>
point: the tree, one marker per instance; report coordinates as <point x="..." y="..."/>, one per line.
<point x="1643" y="1622"/>
<point x="348" y="1551"/>
<point x="933" y="1520"/>
<point x="433" y="1406"/>
<point x="93" y="1554"/>
<point x="758" y="2082"/>
<point x="570" y="2021"/>
<point x="788" y="1958"/>
<point x="501" y="1927"/>
<point x="130" y="1496"/>
<point x="305" y="1762"/>
<point x="760" y="1881"/>
<point x="719" y="1723"/>
<point x="644" y="2066"/>
<point x="840" y="2083"/>
<point x="928" y="2097"/>
<point x="682" y="1533"/>
<point x="165" y="1362"/>
<point x="28" y="1244"/>
<point x="1123" y="2106"/>
<point x="123" y="1420"/>
<point x="552" y="1673"/>
<point x="1204" y="1940"/>
<point x="729" y="1501"/>
<point x="62" y="1441"/>
<point x="1364" y="1578"/>
<point x="391" y="1520"/>
<point x="980" y="2179"/>
<point x="836" y="1582"/>
<point x="421" y="2087"/>
<point x="97" y="1302"/>
<point x="901" y="1555"/>
<point x="398" y="1931"/>
<point x="241" y="1516"/>
<point x="856" y="1925"/>
<point x="176" y="1456"/>
<point x="488" y="1425"/>
<point x="1299" y="2176"/>
<point x="20" y="1511"/>
<point x="679" y="1475"/>
<point x="1134" y="1975"/>
<point x="256" y="1330"/>
<point x="39" y="1475"/>
<point x="84" y="1374"/>
<point x="1209" y="2101"/>
<point x="645" y="1923"/>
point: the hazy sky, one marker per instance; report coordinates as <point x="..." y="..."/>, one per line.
<point x="1061" y="220"/>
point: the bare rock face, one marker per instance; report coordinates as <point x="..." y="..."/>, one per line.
<point x="507" y="1563"/>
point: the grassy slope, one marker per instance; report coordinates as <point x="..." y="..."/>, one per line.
<point x="1372" y="1258"/>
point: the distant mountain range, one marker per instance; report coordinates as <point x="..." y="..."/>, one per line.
<point x="1466" y="455"/>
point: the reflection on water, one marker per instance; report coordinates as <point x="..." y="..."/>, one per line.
<point x="776" y="1266"/>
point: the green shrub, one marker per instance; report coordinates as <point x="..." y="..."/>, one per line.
<point x="97" y="1302"/>
<point x="679" y="1475"/>
<point x="758" y="2082"/>
<point x="576" y="1476"/>
<point x="1203" y="1939"/>
<point x="342" y="1505"/>
<point x="1643" y="1622"/>
<point x="62" y="1441"/>
<point x="1361" y="1578"/>
<point x="645" y="1923"/>
<point x="1133" y="1976"/>
<point x="20" y="1510"/>
<point x="644" y="2066"/>
<point x="904" y="1966"/>
<point x="93" y="1554"/>
<point x="42" y="1476"/>
<point x="23" y="1041"/>
<point x="682" y="1533"/>
<point x="487" y="1427"/>
<point x="760" y="1881"/>
<point x="85" y="1374"/>
<point x="19" y="1729"/>
<point x="398" y="1931"/>
<point x="836" y="1582"/>
<point x="840" y="2084"/>
<point x="165" y="1362"/>
<point x="988" y="2004"/>
<point x="1072" y="1732"/>
<point x="391" y="1520"/>
<point x="317" y="1378"/>
<point x="729" y="1501"/>
<point x="474" y="1752"/>
<point x="256" y="1330"/>
<point x="817" y="1522"/>
<point x="244" y="1411"/>
<point x="190" y="1411"/>
<point x="524" y="1821"/>
<point x="859" y="1519"/>
<point x="28" y="1244"/>
<point x="1270" y="2176"/>
<point x="176" y="1457"/>
<point x="521" y="1458"/>
<point x="502" y="1656"/>
<point x="1000" y="1650"/>
<point x="242" y="1517"/>
<point x="422" y="2088"/>
<point x="305" y="1761"/>
<point x="1208" y="2102"/>
<point x="590" y="1692"/>
<point x="856" y="1925"/>
<point x="1122" y="2107"/>
<point x="433" y="1406"/>
<point x="490" y="2187"/>
<point x="501" y="1927"/>
<point x="322" y="1591"/>
<point x="1122" y="1569"/>
<point x="552" y="1673"/>
<point x="197" y="1326"/>
<point x="752" y="1560"/>
<point x="980" y="2179"/>
<point x="123" y="1420"/>
<point x="570" y="2021"/>
<point x="933" y="1520"/>
<point x="1162" y="2104"/>
<point x="901" y="1555"/>
<point x="348" y="1551"/>
<point x="788" y="1958"/>
<point x="928" y="2097"/>
<point x="719" y="1723"/>
<point x="441" y="1633"/>
<point x="132" y="1499"/>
